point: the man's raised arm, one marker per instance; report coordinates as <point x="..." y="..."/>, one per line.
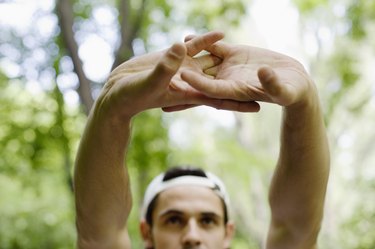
<point x="101" y="181"/>
<point x="299" y="184"/>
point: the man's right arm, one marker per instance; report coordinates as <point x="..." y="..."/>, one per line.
<point x="101" y="181"/>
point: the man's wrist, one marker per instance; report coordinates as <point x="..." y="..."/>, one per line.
<point x="305" y="110"/>
<point x="105" y="113"/>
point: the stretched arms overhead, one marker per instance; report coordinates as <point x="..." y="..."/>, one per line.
<point x="230" y="77"/>
<point x="101" y="181"/>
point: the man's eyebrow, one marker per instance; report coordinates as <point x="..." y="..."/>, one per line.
<point x="211" y="214"/>
<point x="180" y="213"/>
<point x="170" y="212"/>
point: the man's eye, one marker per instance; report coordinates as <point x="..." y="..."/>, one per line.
<point x="207" y="221"/>
<point x="175" y="220"/>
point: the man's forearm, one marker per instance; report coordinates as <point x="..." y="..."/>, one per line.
<point x="101" y="182"/>
<point x="299" y="184"/>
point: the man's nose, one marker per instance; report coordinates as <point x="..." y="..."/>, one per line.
<point x="192" y="234"/>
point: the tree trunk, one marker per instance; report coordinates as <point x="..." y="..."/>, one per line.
<point x="64" y="11"/>
<point x="129" y="31"/>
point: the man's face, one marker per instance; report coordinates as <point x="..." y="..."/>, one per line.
<point x="188" y="217"/>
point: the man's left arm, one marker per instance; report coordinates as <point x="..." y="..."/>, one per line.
<point x="299" y="183"/>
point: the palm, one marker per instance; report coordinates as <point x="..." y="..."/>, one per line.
<point x="237" y="76"/>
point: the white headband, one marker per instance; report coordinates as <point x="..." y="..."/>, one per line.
<point x="157" y="186"/>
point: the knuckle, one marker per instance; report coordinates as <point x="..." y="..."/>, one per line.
<point x="165" y="67"/>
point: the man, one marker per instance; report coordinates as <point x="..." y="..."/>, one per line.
<point x="191" y="213"/>
<point x="186" y="207"/>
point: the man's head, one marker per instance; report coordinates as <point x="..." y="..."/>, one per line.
<point x="186" y="208"/>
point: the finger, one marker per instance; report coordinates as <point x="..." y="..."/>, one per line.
<point x="210" y="87"/>
<point x="202" y="42"/>
<point x="207" y="61"/>
<point x="232" y="105"/>
<point x="212" y="71"/>
<point x="189" y="37"/>
<point x="228" y="105"/>
<point x="169" y="64"/>
<point x="178" y="108"/>
<point x="279" y="92"/>
<point x="219" y="49"/>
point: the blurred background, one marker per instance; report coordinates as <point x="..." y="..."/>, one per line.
<point x="56" y="55"/>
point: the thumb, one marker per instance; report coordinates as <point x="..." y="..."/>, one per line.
<point x="169" y="64"/>
<point x="269" y="81"/>
<point x="279" y="92"/>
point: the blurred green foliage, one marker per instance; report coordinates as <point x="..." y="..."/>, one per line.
<point x="307" y="6"/>
<point x="36" y="199"/>
<point x="347" y="93"/>
<point x="40" y="128"/>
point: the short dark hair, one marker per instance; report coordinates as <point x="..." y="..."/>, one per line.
<point x="178" y="171"/>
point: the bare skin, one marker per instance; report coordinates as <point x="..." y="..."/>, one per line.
<point x="101" y="182"/>
<point x="231" y="78"/>
<point x="299" y="183"/>
<point x="188" y="217"/>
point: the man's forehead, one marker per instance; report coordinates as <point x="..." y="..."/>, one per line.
<point x="189" y="191"/>
<point x="189" y="198"/>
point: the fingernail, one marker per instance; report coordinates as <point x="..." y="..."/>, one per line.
<point x="266" y="74"/>
<point x="177" y="51"/>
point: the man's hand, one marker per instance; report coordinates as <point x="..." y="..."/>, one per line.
<point x="153" y="80"/>
<point x="252" y="74"/>
<point x="299" y="183"/>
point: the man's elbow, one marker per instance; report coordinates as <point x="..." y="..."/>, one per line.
<point x="120" y="242"/>
<point x="293" y="236"/>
